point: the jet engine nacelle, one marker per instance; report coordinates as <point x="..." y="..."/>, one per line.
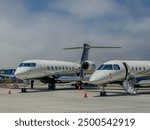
<point x="88" y="66"/>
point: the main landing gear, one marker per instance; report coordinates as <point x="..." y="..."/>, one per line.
<point x="129" y="87"/>
<point x="129" y="84"/>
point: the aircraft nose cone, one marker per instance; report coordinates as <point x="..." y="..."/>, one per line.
<point x="99" y="77"/>
<point x="95" y="77"/>
<point x="19" y="74"/>
<point x="92" y="78"/>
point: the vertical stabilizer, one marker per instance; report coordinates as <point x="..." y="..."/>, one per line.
<point x="85" y="53"/>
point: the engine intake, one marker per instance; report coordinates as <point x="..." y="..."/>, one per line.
<point x="88" y="66"/>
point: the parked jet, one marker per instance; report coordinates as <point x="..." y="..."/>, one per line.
<point x="49" y="71"/>
<point x="130" y="74"/>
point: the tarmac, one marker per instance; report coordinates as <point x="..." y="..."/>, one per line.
<point x="65" y="99"/>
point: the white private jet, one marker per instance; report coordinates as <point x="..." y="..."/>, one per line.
<point x="130" y="74"/>
<point x="50" y="71"/>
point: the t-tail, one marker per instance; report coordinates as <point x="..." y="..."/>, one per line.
<point x="86" y="47"/>
<point x="85" y="63"/>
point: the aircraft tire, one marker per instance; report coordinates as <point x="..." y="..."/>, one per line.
<point x="23" y="90"/>
<point x="51" y="86"/>
<point x="103" y="93"/>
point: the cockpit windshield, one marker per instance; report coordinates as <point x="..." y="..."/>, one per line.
<point x="109" y="67"/>
<point x="27" y="65"/>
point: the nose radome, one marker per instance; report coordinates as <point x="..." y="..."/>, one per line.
<point x="92" y="78"/>
<point x="19" y="74"/>
<point x="95" y="76"/>
<point x="99" y="77"/>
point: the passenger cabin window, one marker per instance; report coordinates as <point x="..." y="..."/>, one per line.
<point x="63" y="68"/>
<point x="136" y="68"/>
<point x="56" y="68"/>
<point x="27" y="65"/>
<point x="52" y="68"/>
<point x="48" y="68"/>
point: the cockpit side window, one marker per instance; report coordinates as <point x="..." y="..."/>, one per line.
<point x="33" y="65"/>
<point x="27" y="65"/>
<point x="116" y="67"/>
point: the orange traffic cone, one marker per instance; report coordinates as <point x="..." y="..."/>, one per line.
<point x="85" y="95"/>
<point x="9" y="92"/>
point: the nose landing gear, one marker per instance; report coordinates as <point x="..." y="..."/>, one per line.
<point x="51" y="86"/>
<point x="103" y="92"/>
<point x="24" y="89"/>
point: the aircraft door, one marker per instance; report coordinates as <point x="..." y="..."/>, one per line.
<point x="127" y="69"/>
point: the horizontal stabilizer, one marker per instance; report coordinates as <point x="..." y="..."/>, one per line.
<point x="104" y="47"/>
<point x="72" y="48"/>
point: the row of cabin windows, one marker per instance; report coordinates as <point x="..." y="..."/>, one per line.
<point x="60" y="68"/>
<point x="138" y="68"/>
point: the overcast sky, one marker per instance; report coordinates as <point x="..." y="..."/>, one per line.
<point x="40" y="29"/>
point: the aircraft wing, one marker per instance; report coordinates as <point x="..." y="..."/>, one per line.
<point x="72" y="78"/>
<point x="143" y="81"/>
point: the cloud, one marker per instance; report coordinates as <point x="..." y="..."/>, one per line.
<point x="85" y="9"/>
<point x="27" y="34"/>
